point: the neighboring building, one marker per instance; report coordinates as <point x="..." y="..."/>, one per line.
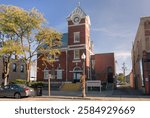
<point x="17" y="71"/>
<point x="104" y="67"/>
<point x="69" y="65"/>
<point x="140" y="76"/>
<point x="1" y="64"/>
<point x="132" y="85"/>
<point x="1" y="70"/>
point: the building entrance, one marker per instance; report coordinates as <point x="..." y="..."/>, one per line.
<point x="110" y="75"/>
<point x="77" y="74"/>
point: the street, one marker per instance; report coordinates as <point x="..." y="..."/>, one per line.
<point x="122" y="93"/>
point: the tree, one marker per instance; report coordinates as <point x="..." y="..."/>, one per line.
<point x="51" y="47"/>
<point x="27" y="27"/>
<point x="8" y="50"/>
<point x="121" y="77"/>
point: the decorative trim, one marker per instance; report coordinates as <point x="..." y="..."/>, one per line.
<point x="77" y="25"/>
<point x="73" y="71"/>
<point x="80" y="24"/>
<point x="77" y="11"/>
<point x="78" y="60"/>
<point x="69" y="46"/>
<point x="76" y="48"/>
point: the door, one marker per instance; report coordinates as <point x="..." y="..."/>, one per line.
<point x="110" y="78"/>
<point x="76" y="76"/>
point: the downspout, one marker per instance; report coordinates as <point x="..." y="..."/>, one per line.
<point x="66" y="65"/>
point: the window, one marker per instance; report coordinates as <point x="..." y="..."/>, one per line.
<point x="22" y="68"/>
<point x="76" y="37"/>
<point x="56" y="58"/>
<point x="53" y="74"/>
<point x="46" y="74"/>
<point x="59" y="73"/>
<point x="147" y="43"/>
<point x="14" y="67"/>
<point x="76" y="54"/>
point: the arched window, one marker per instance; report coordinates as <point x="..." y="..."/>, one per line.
<point x="77" y="69"/>
<point x="14" y="67"/>
<point x="22" y="68"/>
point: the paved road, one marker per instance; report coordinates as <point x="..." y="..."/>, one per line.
<point x="123" y="93"/>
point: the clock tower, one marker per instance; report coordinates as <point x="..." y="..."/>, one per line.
<point x="78" y="43"/>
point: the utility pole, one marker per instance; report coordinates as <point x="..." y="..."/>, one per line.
<point x="124" y="68"/>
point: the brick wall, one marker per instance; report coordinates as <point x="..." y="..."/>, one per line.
<point x="102" y="62"/>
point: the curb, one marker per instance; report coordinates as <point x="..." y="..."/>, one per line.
<point x="69" y="97"/>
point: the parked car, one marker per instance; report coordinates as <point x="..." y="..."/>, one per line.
<point x="16" y="91"/>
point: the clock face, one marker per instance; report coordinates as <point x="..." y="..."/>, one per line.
<point x="76" y="19"/>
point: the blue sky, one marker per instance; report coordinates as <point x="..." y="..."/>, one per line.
<point x="113" y="22"/>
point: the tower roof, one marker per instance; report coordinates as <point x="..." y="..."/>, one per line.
<point x="78" y="11"/>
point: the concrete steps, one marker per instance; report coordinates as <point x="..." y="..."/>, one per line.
<point x="71" y="87"/>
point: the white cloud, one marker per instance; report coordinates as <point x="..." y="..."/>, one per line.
<point x="123" y="57"/>
<point x="114" y="32"/>
<point x="123" y="54"/>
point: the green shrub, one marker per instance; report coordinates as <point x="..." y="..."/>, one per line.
<point x="19" y="81"/>
<point x="31" y="84"/>
<point x="36" y="84"/>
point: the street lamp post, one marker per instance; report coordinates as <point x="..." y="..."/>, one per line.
<point x="83" y="76"/>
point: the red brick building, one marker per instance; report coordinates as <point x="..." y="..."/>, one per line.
<point x="140" y="76"/>
<point x="69" y="65"/>
<point x="104" y="67"/>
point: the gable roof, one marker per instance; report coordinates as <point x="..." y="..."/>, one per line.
<point x="78" y="11"/>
